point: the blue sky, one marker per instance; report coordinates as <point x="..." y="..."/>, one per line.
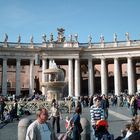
<point x="95" y="17"/>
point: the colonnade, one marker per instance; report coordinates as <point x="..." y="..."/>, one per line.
<point x="74" y="85"/>
<point x="18" y="79"/>
<point x="74" y="76"/>
<point x="131" y="72"/>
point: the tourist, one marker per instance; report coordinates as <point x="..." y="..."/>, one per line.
<point x="96" y="112"/>
<point x="15" y="109"/>
<point x="70" y="104"/>
<point x="7" y="117"/>
<point x="78" y="104"/>
<point x="53" y="101"/>
<point x="133" y="105"/>
<point x="135" y="136"/>
<point x="67" y="121"/>
<point x="138" y="102"/>
<point x="121" y="101"/>
<point x="114" y="100"/>
<point x="105" y="105"/>
<point x="130" y="129"/>
<point x="82" y="101"/>
<point x="40" y="129"/>
<point x="56" y="116"/>
<point x="86" y="98"/>
<point x="128" y="101"/>
<point x="102" y="132"/>
<point x="76" y="125"/>
<point x="91" y="101"/>
<point x="2" y="106"/>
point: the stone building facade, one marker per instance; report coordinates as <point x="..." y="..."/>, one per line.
<point x="90" y="68"/>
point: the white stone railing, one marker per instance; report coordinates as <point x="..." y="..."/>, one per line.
<point x="73" y="44"/>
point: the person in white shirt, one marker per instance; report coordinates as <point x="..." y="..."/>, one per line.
<point x="40" y="129"/>
<point x="56" y="116"/>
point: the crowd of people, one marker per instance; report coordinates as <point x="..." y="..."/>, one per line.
<point x="7" y="114"/>
<point x="98" y="105"/>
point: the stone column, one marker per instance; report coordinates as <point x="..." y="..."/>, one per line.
<point x="117" y="77"/>
<point x="135" y="78"/>
<point x="4" y="77"/>
<point x="104" y="77"/>
<point x="77" y="78"/>
<point x="70" y="74"/>
<point x="130" y="73"/>
<point x="50" y="66"/>
<point x="43" y="75"/>
<point x="90" y="78"/>
<point x="17" y="77"/>
<point x="31" y="87"/>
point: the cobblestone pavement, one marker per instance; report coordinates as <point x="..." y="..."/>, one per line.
<point x="9" y="131"/>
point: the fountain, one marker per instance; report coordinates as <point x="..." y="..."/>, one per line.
<point x="54" y="81"/>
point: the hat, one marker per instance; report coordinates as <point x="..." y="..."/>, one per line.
<point x="102" y="123"/>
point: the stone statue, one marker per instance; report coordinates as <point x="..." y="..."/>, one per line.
<point x="115" y="37"/>
<point x="76" y="37"/>
<point x="52" y="64"/>
<point x="60" y="37"/>
<point x="89" y="39"/>
<point x="127" y="36"/>
<point x="70" y="37"/>
<point x="44" y="37"/>
<point x="31" y="39"/>
<point x="51" y="37"/>
<point x="102" y="38"/>
<point x="19" y="39"/>
<point x="6" y="38"/>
